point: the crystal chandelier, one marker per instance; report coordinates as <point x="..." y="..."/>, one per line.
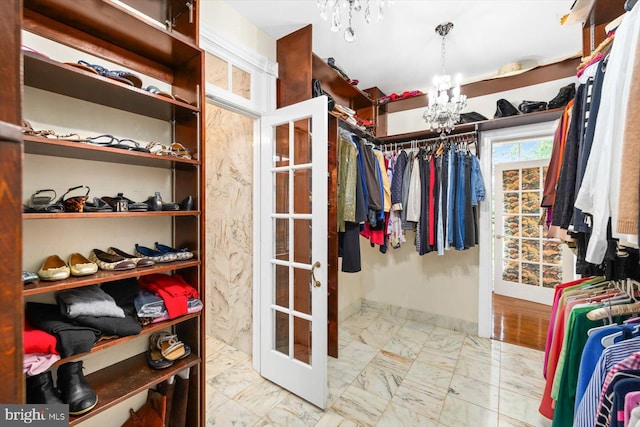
<point x="445" y="100"/>
<point x="338" y="9"/>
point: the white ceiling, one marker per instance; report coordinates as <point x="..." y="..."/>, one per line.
<point x="402" y="52"/>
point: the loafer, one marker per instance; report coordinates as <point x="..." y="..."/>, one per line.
<point x="54" y="268"/>
<point x="81" y="266"/>
<point x="181" y="254"/>
<point x="107" y="261"/>
<point x="157" y="256"/>
<point x="140" y="261"/>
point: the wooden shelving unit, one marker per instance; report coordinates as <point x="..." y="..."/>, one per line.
<point x="115" y="32"/>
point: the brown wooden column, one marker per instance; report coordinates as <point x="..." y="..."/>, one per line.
<point x="11" y="308"/>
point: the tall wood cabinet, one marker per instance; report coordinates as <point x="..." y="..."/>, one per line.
<point x="115" y="32"/>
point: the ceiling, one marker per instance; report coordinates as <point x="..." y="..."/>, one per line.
<point x="403" y="53"/>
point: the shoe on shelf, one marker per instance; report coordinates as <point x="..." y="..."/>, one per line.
<point x="41" y="390"/>
<point x="81" y="266"/>
<point x="54" y="268"/>
<point x="157" y="256"/>
<point x="181" y="254"/>
<point x="107" y="261"/>
<point x="169" y="346"/>
<point x="74" y="389"/>
<point x="186" y="204"/>
<point x="140" y="261"/>
<point x="29" y="277"/>
<point x="154" y="203"/>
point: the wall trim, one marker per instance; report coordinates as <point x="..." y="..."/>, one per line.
<point x="213" y="43"/>
<point x="485" y="276"/>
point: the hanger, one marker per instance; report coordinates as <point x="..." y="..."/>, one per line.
<point x="613" y="310"/>
<point x="609" y="340"/>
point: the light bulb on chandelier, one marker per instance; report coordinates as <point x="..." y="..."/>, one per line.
<point x="445" y="100"/>
<point x="337" y="9"/>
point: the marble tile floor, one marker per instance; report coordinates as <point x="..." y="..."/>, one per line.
<point x="393" y="373"/>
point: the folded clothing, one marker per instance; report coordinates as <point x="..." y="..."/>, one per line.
<point x="152" y="306"/>
<point x="88" y="301"/>
<point x="37" y="341"/>
<point x="37" y="363"/>
<point x="174" y="290"/>
<point x="195" y="305"/>
<point x="71" y="339"/>
<point x="123" y="293"/>
<point x="111" y="326"/>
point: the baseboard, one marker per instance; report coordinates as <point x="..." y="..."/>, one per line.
<point x="438" y="320"/>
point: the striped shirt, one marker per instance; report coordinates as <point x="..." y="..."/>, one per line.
<point x="614" y="358"/>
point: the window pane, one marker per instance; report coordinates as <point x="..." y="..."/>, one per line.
<point x="216" y="71"/>
<point x="505" y="153"/>
<point x="511" y="180"/>
<point x="536" y="150"/>
<point x="241" y="82"/>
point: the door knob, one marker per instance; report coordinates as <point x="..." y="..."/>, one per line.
<point x="316" y="283"/>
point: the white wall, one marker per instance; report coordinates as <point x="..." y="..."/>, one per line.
<point x="218" y="17"/>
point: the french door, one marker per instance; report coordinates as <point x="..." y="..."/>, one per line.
<point x="293" y="249"/>
<point x="527" y="264"/>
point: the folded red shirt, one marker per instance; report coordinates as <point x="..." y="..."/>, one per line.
<point x="38" y="341"/>
<point x="172" y="289"/>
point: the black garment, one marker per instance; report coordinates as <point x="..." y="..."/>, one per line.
<point x="111" y="326"/>
<point x="565" y="190"/>
<point x="72" y="339"/>
<point x="123" y="292"/>
<point x="371" y="174"/>
<point x="362" y="205"/>
<point x="350" y="244"/>
<point x="396" y="182"/>
<point x="469" y="224"/>
<point x="445" y="192"/>
<point x="423" y="227"/>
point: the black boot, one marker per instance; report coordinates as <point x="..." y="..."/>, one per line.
<point x="74" y="389"/>
<point x="40" y="389"/>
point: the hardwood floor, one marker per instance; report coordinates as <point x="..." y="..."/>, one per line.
<point x="520" y="322"/>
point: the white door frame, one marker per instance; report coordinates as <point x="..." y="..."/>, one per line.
<point x="485" y="237"/>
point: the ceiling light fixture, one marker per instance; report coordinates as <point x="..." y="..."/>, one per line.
<point x="445" y="100"/>
<point x="338" y="9"/>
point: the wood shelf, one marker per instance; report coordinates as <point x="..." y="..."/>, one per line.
<point x="134" y="376"/>
<point x="78" y="150"/>
<point x="105" y="20"/>
<point x="47" y="74"/>
<point x="76" y="215"/>
<point x="102" y="276"/>
<point x="146" y="330"/>
<point x="484" y="125"/>
<point x="333" y="82"/>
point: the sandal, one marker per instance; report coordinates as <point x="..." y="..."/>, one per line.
<point x="169" y="346"/>
<point x="159" y="149"/>
<point x="97" y="205"/>
<point x="156" y="91"/>
<point x="125" y="77"/>
<point x="75" y="203"/>
<point x="27" y="129"/>
<point x="180" y="150"/>
<point x="43" y="203"/>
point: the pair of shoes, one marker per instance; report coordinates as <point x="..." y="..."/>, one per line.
<point x="140" y="261"/>
<point x="72" y="389"/>
<point x="155" y="255"/>
<point x="111" y="262"/>
<point x="125" y="77"/>
<point x="54" y="268"/>
<point x="181" y="254"/>
<point x="119" y="203"/>
<point x="176" y="149"/>
<point x="165" y="349"/>
<point x="155" y="203"/>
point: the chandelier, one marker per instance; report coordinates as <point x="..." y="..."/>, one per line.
<point x="338" y="9"/>
<point x="445" y="100"/>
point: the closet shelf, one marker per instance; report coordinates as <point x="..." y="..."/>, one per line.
<point x="57" y="77"/>
<point x="146" y="330"/>
<point x="333" y="82"/>
<point x="43" y="287"/>
<point x="105" y="20"/>
<point x="136" y="377"/>
<point x="503" y="122"/>
<point x="74" y="215"/>
<point x="78" y="150"/>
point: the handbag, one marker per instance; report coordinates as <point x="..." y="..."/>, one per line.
<point x="316" y="90"/>
<point x="151" y="414"/>
<point x="472" y="117"/>
<point x="505" y="109"/>
<point x="565" y="94"/>
<point x="532" y="106"/>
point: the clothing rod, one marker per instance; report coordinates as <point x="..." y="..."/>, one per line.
<point x="437" y="138"/>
